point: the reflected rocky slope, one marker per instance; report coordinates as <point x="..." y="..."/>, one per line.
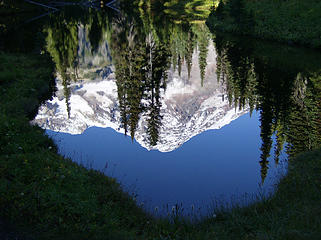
<point x="187" y="108"/>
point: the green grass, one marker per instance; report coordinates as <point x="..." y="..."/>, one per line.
<point x="182" y="10"/>
<point x="291" y="21"/>
<point x="38" y="187"/>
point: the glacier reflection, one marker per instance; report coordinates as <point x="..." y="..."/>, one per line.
<point x="187" y="109"/>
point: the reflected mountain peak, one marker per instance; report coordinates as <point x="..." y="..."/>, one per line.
<point x="186" y="108"/>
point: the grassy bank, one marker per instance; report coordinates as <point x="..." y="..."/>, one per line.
<point x="40" y="191"/>
<point x="290" y="21"/>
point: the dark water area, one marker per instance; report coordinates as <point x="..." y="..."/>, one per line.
<point x="180" y="115"/>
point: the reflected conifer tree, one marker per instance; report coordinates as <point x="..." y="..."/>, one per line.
<point x="237" y="72"/>
<point x="203" y="38"/>
<point x="190" y="46"/>
<point x="95" y="32"/>
<point x="62" y="44"/>
<point x="141" y="62"/>
<point x="304" y="120"/>
<point x="266" y="136"/>
<point x="129" y="56"/>
<point x="280" y="141"/>
<point x="98" y="25"/>
<point x="288" y="97"/>
<point x="156" y="80"/>
<point x="184" y="38"/>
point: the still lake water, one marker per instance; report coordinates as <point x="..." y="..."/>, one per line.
<point x="216" y="166"/>
<point x="176" y="113"/>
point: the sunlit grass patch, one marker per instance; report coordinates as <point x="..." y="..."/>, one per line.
<point x="190" y="10"/>
<point x="200" y="4"/>
<point x="173" y="3"/>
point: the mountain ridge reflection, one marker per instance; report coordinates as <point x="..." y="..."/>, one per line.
<point x="187" y="109"/>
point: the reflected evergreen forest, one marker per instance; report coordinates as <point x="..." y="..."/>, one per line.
<point x="142" y="50"/>
<point x="283" y="83"/>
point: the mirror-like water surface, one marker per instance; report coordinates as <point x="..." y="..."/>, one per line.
<point x="207" y="117"/>
<point x="198" y="174"/>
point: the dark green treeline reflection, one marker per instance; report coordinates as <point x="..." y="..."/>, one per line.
<point x="141" y="63"/>
<point x="63" y="41"/>
<point x="143" y="49"/>
<point x="283" y="83"/>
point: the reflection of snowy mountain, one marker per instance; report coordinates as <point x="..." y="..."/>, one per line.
<point x="187" y="108"/>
